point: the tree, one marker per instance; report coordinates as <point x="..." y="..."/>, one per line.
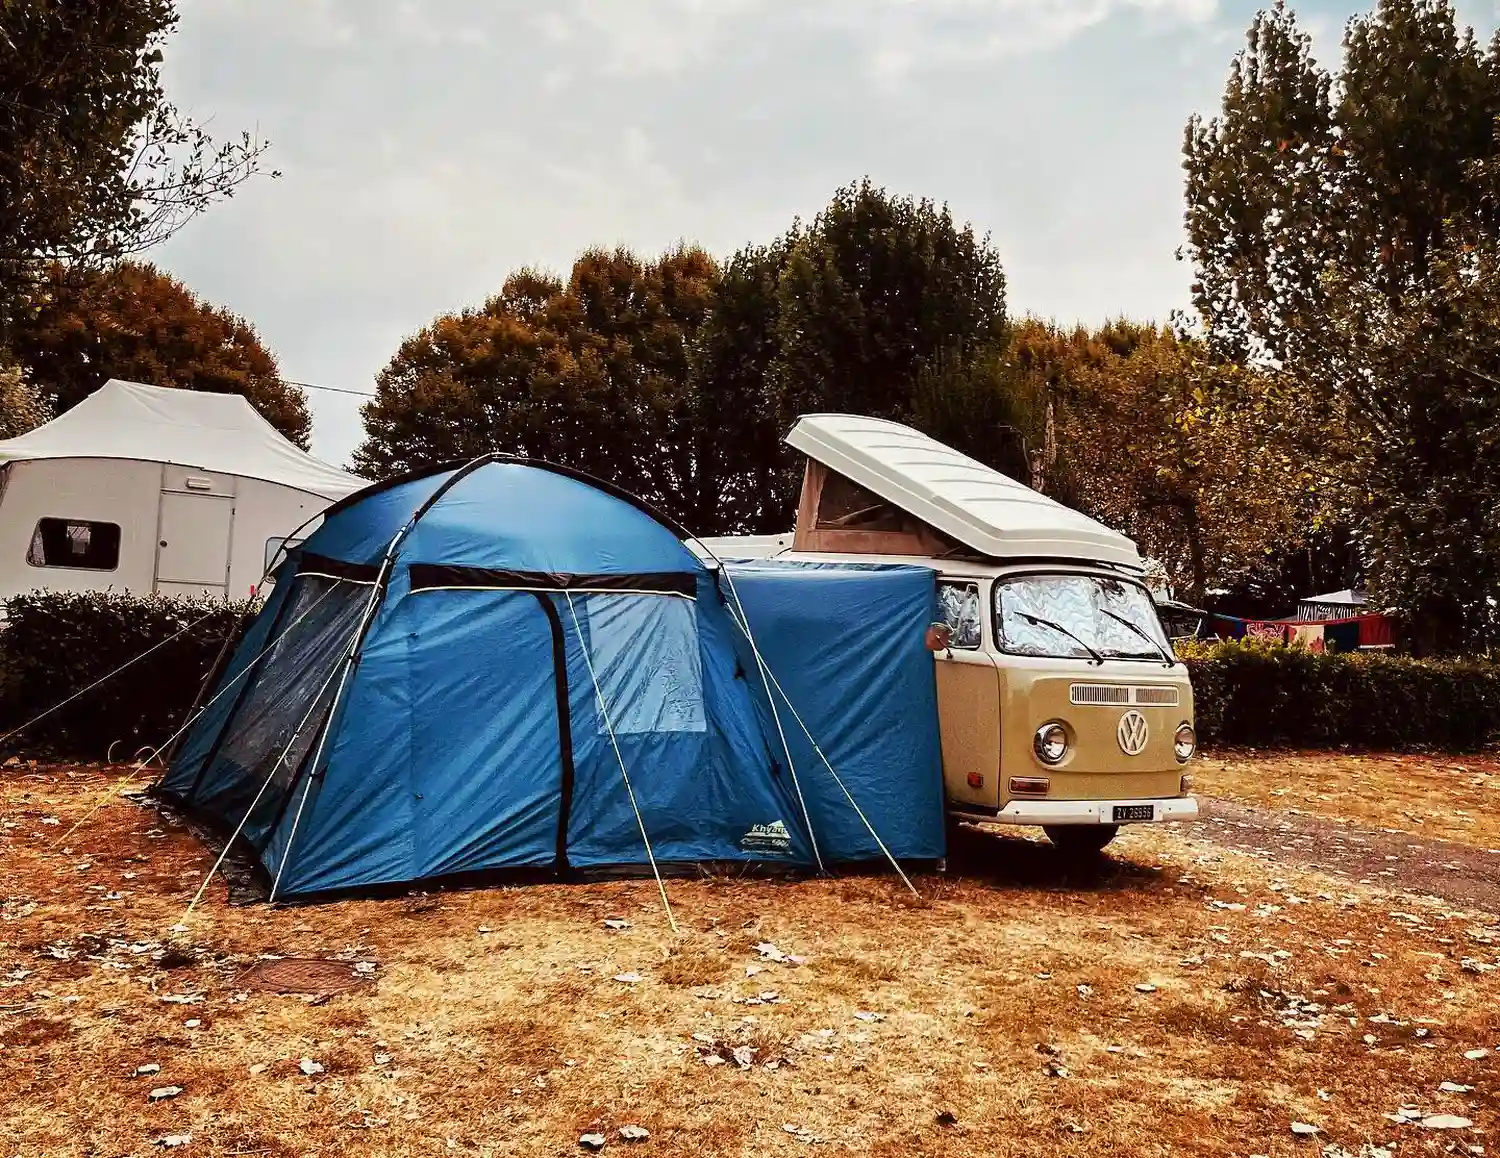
<point x="1336" y="223"/>
<point x="133" y="321"/>
<point x="678" y="378"/>
<point x="95" y="163"/>
<point x="1162" y="444"/>
<point x="877" y="290"/>
<point x="595" y="374"/>
<point x="22" y="408"/>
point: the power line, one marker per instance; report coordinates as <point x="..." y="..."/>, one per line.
<point x="330" y="389"/>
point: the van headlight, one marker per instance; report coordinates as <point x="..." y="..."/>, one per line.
<point x="1185" y="743"/>
<point x="1051" y="743"/>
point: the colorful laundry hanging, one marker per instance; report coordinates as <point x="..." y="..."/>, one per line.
<point x="1308" y="635"/>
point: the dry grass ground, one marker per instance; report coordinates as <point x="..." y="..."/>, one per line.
<point x="1183" y="1000"/>
<point x="1449" y="798"/>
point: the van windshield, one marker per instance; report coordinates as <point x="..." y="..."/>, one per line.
<point x="1077" y="617"/>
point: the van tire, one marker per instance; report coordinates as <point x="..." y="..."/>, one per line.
<point x="1081" y="840"/>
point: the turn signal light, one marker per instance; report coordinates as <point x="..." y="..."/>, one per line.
<point x="1028" y="785"/>
<point x="976" y="780"/>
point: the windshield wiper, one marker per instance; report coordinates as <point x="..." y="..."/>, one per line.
<point x="1171" y="660"/>
<point x="1040" y="622"/>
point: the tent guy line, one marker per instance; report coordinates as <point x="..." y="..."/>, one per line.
<point x="837" y="779"/>
<point x="118" y="786"/>
<point x="624" y="775"/>
<point x="760" y="663"/>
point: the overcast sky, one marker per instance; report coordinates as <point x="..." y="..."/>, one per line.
<point x="431" y="146"/>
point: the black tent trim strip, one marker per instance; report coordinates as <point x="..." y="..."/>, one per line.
<point x="437" y="576"/>
<point x="327" y="568"/>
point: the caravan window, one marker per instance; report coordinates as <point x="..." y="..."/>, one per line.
<point x="75" y="543"/>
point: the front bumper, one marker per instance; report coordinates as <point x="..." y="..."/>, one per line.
<point x="1175" y="808"/>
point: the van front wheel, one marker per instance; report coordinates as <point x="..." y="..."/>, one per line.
<point x="1081" y="840"/>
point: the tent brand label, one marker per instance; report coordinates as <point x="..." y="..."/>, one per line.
<point x="771" y="837"/>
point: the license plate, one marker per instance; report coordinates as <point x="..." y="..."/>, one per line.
<point x="1125" y="812"/>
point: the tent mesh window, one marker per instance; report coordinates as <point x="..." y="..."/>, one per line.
<point x="282" y="712"/>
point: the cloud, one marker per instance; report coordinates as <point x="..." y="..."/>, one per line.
<point x="430" y="147"/>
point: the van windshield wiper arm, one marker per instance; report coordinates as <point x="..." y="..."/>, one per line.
<point x="1167" y="656"/>
<point x="1040" y="622"/>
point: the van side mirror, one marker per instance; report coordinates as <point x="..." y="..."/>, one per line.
<point x="939" y="637"/>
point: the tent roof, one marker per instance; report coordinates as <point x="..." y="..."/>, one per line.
<point x="963" y="498"/>
<point x="212" y="432"/>
<point x="1352" y="598"/>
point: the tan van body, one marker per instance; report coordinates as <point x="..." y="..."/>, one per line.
<point x="1124" y="712"/>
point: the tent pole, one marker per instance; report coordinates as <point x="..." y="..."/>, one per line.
<point x="244" y="820"/>
<point x="118" y="786"/>
<point x="377" y="593"/>
<point x="624" y="775"/>
<point x="743" y="621"/>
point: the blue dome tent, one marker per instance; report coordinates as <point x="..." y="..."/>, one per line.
<point x="508" y="665"/>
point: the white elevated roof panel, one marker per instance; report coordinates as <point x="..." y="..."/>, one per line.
<point x="966" y="500"/>
<point x="222" y="433"/>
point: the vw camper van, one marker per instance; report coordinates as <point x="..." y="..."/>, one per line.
<point x="1060" y="702"/>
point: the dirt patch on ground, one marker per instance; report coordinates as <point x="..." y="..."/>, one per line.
<point x="1179" y="998"/>
<point x="1434" y="797"/>
<point x="1386" y="859"/>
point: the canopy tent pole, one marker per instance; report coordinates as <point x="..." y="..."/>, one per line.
<point x="770" y="699"/>
<point x="743" y="623"/>
<point x="624" y="775"/>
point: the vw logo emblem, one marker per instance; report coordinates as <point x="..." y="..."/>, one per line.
<point x="1132" y="733"/>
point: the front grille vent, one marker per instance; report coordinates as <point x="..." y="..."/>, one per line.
<point x="1122" y="696"/>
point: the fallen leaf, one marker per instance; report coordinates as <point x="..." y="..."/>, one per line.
<point x="628" y="978"/>
<point x="148" y="1068"/>
<point x="172" y="1141"/>
<point x="1303" y="1129"/>
<point x="1455" y="1088"/>
<point x="162" y="1093"/>
<point x="947" y="1118"/>
<point x="591" y="1141"/>
<point x="634" y="1133"/>
<point x="616" y="923"/>
<point x="310" y="1067"/>
<point x="1445" y="1122"/>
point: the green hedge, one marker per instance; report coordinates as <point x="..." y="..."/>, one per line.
<point x="54" y="644"/>
<point x="1256" y="695"/>
<point x="1249" y="695"/>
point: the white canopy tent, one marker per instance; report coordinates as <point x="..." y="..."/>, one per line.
<point x="141" y="488"/>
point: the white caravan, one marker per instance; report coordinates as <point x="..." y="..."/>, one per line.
<point x="141" y="489"/>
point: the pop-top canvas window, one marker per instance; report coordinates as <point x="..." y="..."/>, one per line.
<point x="644" y="650"/>
<point x="75" y="543"/>
<point x="846" y="506"/>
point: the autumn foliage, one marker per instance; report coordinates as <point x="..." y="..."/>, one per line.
<point x="134" y="322"/>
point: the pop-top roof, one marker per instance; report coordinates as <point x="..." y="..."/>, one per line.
<point x="966" y="500"/>
<point x="212" y="432"/>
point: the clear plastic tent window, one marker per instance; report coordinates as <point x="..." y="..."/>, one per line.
<point x="644" y="651"/>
